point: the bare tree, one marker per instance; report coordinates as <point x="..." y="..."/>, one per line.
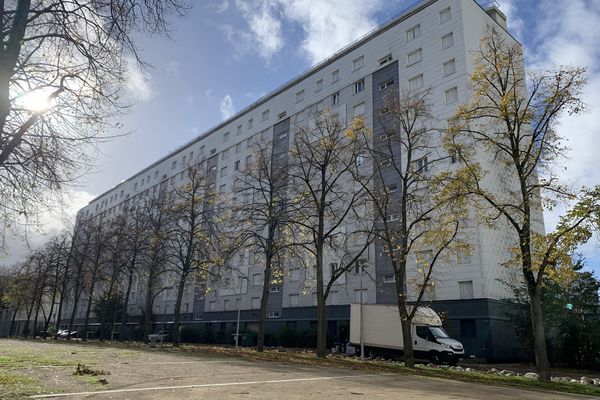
<point x="417" y="219"/>
<point x="156" y="256"/>
<point x="63" y="68"/>
<point x="195" y="240"/>
<point x="508" y="133"/>
<point x="135" y="241"/>
<point x="262" y="216"/>
<point x="323" y="158"/>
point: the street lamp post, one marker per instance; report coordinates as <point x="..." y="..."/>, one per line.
<point x="362" y="343"/>
<point x="239" y="308"/>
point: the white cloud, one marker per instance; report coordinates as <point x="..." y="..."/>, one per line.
<point x="226" y="107"/>
<point x="564" y="33"/>
<point x="330" y="25"/>
<point x="327" y="26"/>
<point x="514" y="21"/>
<point x="137" y="81"/>
<point x="58" y="219"/>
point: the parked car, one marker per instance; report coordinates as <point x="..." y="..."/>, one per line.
<point x="159" y="336"/>
<point x="63" y="333"/>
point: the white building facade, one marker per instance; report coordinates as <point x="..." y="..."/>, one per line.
<point x="431" y="45"/>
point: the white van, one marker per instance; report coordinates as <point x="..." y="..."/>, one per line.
<point x="382" y="333"/>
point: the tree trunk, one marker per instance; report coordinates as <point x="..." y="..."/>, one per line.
<point x="539" y="338"/>
<point x="123" y="326"/>
<point x="407" y="340"/>
<point x="11" y="329"/>
<point x="88" y="309"/>
<point x="321" y="320"/>
<point x="148" y="307"/>
<point x="264" y="302"/>
<point x="180" y="289"/>
<point x="76" y="296"/>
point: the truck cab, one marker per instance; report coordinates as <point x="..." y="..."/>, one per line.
<point x="431" y="342"/>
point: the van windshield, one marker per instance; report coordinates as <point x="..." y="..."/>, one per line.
<point x="438" y="332"/>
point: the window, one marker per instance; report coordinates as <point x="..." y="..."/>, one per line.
<point x="335" y="98"/>
<point x="273" y="314"/>
<point x="257" y="279"/>
<point x="468" y="328"/>
<point x="155" y="174"/>
<point x="226" y="305"/>
<point x="213" y="168"/>
<point x="361" y="265"/>
<point x="239" y="130"/>
<point x="282" y="115"/>
<point x="389" y="278"/>
<point x="451" y="95"/>
<point x="414" y="57"/>
<point x="174" y="164"/>
<point x="359" y="110"/>
<point x="383" y="137"/>
<point x="449" y="67"/>
<point x="255" y="303"/>
<point x="250" y="123"/>
<point x="265" y="115"/>
<point x="319" y="85"/>
<point x="333" y="268"/>
<point x="413" y="33"/>
<point x="360" y="296"/>
<point x="248" y="161"/>
<point x="385" y="162"/>
<point x="299" y="96"/>
<point x="212" y="306"/>
<point x="392" y="188"/>
<point x="282" y="136"/>
<point x="236" y="166"/>
<point x="466" y="290"/>
<point x="359" y="86"/>
<point x="225" y="154"/>
<point x="422" y="165"/>
<point x="385" y="60"/>
<point x="274" y="289"/>
<point x="294" y="300"/>
<point x="360" y="159"/>
<point x="386" y="84"/>
<point x="415" y="83"/>
<point x="295" y="276"/>
<point x="445" y="15"/>
<point x="222" y="188"/>
<point x="201" y="151"/>
<point x="223" y="172"/>
<point x="135" y="186"/>
<point x="225" y="137"/>
<point x="447" y="40"/>
<point x="238" y="148"/>
<point x="358" y="63"/>
<point x="392" y="217"/>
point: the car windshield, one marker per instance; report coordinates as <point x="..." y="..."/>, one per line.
<point x="438" y="332"/>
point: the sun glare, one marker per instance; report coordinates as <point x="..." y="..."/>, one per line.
<point x="36" y="101"/>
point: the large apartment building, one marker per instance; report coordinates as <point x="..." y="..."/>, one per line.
<point x="430" y="45"/>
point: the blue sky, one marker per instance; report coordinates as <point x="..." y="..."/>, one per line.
<point x="226" y="54"/>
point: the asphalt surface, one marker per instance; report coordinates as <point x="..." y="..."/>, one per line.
<point x="172" y="376"/>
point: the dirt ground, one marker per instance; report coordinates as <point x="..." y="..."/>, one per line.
<point x="45" y="370"/>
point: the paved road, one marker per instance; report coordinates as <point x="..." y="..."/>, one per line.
<point x="168" y="376"/>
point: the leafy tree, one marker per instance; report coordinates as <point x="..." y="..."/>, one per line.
<point x="417" y="217"/>
<point x="571" y="311"/>
<point x="508" y="134"/>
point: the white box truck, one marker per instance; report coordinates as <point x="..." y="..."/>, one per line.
<point x="382" y="333"/>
